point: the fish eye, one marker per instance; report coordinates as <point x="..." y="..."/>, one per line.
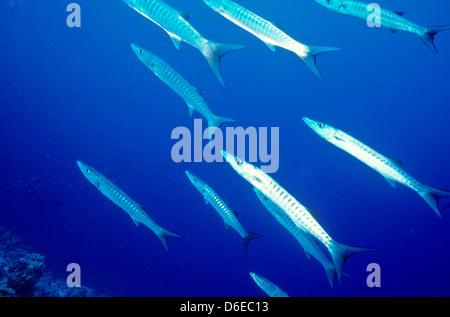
<point x="195" y="179"/>
<point x="238" y="162"/>
<point x="263" y="283"/>
<point x="88" y="170"/>
<point x="141" y="51"/>
<point x="321" y="125"/>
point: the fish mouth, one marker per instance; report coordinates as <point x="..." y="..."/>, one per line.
<point x="80" y="164"/>
<point x="190" y="176"/>
<point x="311" y="123"/>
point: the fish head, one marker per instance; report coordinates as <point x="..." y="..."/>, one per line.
<point x="331" y="4"/>
<point x="251" y="173"/>
<point x="325" y="131"/>
<point x="89" y="172"/>
<point x="148" y="58"/>
<point x="196" y="181"/>
<point x="261" y="281"/>
<point x="213" y="4"/>
<point x="240" y="166"/>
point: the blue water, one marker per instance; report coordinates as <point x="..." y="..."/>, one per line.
<point x="72" y="94"/>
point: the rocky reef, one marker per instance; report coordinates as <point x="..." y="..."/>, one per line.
<point x="23" y="274"/>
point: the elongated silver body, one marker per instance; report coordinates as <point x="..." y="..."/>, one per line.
<point x="267" y="31"/>
<point x="176" y="24"/>
<point x="295" y="211"/>
<point x="190" y="94"/>
<point x="136" y="211"/>
<point x="227" y="214"/>
<point x="256" y="25"/>
<point x="373" y="13"/>
<point x="390" y="169"/>
<point x="267" y="286"/>
<point x="304" y="238"/>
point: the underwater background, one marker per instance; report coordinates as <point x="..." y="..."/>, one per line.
<point x="70" y="94"/>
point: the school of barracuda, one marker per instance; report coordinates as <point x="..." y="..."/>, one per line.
<point x="290" y="213"/>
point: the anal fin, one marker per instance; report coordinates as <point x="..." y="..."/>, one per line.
<point x="175" y="39"/>
<point x="390" y="181"/>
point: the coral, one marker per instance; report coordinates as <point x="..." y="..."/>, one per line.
<point x="25" y="273"/>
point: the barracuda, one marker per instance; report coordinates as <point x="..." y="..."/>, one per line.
<point x="190" y="94"/>
<point x="389" y="19"/>
<point x="295" y="211"/>
<point x="304" y="238"/>
<point x="176" y="24"/>
<point x="117" y="196"/>
<point x="267" y="286"/>
<point x="268" y="32"/>
<point x="389" y="168"/>
<point x="228" y="215"/>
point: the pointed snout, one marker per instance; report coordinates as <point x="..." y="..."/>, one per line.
<point x="189" y="175"/>
<point x="255" y="277"/>
<point x="81" y="165"/>
<point x="311" y="123"/>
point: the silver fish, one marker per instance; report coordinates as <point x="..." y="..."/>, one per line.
<point x="268" y="32"/>
<point x="228" y="215"/>
<point x="176" y="24"/>
<point x="393" y="20"/>
<point x="390" y="169"/>
<point x="190" y="94"/>
<point x="267" y="286"/>
<point x="136" y="211"/>
<point x="296" y="211"/>
<point x="305" y="239"/>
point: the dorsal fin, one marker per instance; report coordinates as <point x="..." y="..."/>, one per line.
<point x="185" y="15"/>
<point x="200" y="91"/>
<point x="398" y="162"/>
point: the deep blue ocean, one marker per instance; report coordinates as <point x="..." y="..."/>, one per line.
<point x="69" y="94"/>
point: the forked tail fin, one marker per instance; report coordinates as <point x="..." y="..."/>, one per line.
<point x="340" y="252"/>
<point x="216" y="122"/>
<point x="215" y="52"/>
<point x="310" y="58"/>
<point x="428" y="36"/>
<point x="432" y="196"/>
<point x="249" y="237"/>
<point x="331" y="274"/>
<point x="164" y="234"/>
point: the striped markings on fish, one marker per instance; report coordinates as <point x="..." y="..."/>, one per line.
<point x="305" y="239"/>
<point x="296" y="211"/>
<point x="190" y="94"/>
<point x="136" y="211"/>
<point x="389" y="19"/>
<point x="267" y="286"/>
<point x="228" y="215"/>
<point x="268" y="32"/>
<point x="388" y="168"/>
<point x="176" y="24"/>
